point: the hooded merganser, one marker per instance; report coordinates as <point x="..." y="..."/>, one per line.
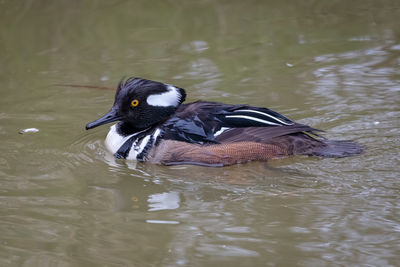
<point x="156" y="127"/>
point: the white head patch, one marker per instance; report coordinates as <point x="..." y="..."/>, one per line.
<point x="169" y="98"/>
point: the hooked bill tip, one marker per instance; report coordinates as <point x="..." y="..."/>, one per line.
<point x="91" y="125"/>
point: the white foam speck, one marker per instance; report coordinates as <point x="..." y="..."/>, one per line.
<point x="29" y="130"/>
<point x="162" y="222"/>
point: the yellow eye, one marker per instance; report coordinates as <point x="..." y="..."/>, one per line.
<point x="134" y="103"/>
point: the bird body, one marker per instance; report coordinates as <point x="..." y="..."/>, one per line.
<point x="155" y="126"/>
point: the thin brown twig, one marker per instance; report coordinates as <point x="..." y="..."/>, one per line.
<point x="85" y="86"/>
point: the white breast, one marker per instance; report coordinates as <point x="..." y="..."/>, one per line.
<point x="114" y="141"/>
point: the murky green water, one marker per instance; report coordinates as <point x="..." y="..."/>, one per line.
<point x="64" y="201"/>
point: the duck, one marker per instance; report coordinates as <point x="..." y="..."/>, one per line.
<point x="155" y="126"/>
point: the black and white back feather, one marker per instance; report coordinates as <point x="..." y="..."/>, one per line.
<point x="208" y="122"/>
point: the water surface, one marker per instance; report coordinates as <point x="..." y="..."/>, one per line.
<point x="65" y="201"/>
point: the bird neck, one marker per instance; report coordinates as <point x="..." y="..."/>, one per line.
<point x="126" y="128"/>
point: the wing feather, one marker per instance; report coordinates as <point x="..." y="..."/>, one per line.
<point x="248" y="116"/>
<point x="260" y="134"/>
<point x="209" y="122"/>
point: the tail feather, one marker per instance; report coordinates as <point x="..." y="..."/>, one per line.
<point x="337" y="149"/>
